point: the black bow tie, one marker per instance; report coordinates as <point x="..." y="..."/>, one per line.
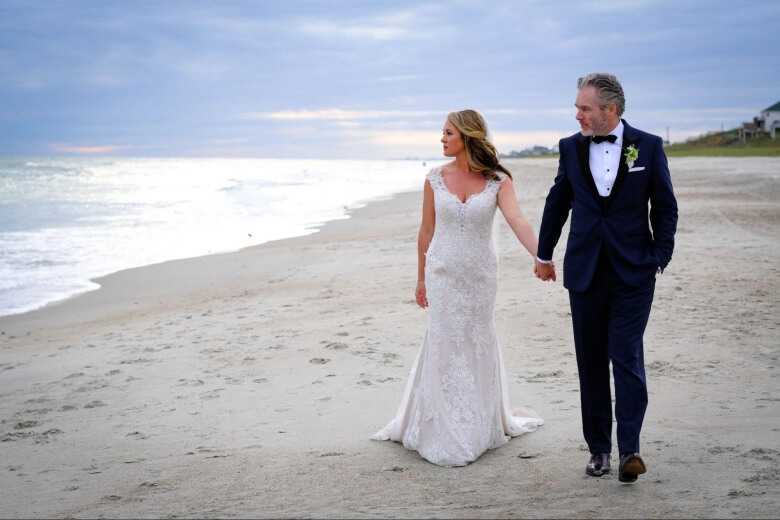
<point x="601" y="138"/>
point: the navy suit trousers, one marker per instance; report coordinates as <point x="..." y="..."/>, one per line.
<point x="609" y="320"/>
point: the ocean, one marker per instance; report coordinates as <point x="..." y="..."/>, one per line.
<point x="66" y="221"/>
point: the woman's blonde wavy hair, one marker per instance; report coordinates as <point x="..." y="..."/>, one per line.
<point x="480" y="152"/>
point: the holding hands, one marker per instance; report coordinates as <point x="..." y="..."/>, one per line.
<point x="544" y="271"/>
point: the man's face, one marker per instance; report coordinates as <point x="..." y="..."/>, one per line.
<point x="594" y="119"/>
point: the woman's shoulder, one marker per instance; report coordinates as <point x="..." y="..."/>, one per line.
<point x="435" y="173"/>
<point x="500" y="176"/>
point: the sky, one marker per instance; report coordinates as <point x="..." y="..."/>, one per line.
<point x="365" y="79"/>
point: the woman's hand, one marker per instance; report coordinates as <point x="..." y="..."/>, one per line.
<point x="420" y="296"/>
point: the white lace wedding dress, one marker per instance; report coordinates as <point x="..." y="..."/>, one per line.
<point x="456" y="403"/>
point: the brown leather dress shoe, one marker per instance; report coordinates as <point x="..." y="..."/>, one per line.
<point x="598" y="465"/>
<point x="631" y="466"/>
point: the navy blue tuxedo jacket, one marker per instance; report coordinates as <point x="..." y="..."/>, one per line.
<point x="621" y="224"/>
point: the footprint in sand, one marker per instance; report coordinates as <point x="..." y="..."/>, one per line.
<point x="137" y="361"/>
<point x="92" y="469"/>
<point x="389" y="357"/>
<point x="212" y="394"/>
<point x="15" y="436"/>
<point x="37" y="400"/>
<point x="190" y="382"/>
<point x="528" y="455"/>
<point x="336" y="346"/>
<point x="21" y="425"/>
<point x="331" y="454"/>
<point x="764" y="475"/>
<point x="96" y="384"/>
<point x="38" y="411"/>
<point x="767" y="454"/>
<point x="46" y="436"/>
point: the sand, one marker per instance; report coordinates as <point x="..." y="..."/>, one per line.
<point x="247" y="384"/>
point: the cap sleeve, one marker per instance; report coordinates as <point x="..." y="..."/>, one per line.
<point x="434" y="178"/>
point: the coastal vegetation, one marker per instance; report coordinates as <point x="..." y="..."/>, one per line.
<point x="725" y="144"/>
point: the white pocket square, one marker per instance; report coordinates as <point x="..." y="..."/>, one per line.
<point x="636" y="169"/>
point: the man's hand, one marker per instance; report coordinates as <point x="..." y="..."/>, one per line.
<point x="545" y="272"/>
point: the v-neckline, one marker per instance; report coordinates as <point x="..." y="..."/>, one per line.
<point x="454" y="196"/>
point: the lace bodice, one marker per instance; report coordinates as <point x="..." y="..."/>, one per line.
<point x="464" y="230"/>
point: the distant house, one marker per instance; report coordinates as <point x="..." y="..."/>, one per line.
<point x="771" y="119"/>
<point x="767" y="122"/>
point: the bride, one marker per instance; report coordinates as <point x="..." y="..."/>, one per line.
<point x="456" y="403"/>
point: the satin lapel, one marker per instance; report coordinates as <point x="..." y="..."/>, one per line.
<point x="583" y="154"/>
<point x="629" y="138"/>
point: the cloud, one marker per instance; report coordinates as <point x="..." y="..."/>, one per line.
<point x="86" y="150"/>
<point x="355" y="31"/>
<point x="698" y="114"/>
<point x="404" y="143"/>
<point x="340" y="114"/>
<point x="508" y="141"/>
<point x="421" y="22"/>
<point x="337" y="114"/>
<point x="398" y="77"/>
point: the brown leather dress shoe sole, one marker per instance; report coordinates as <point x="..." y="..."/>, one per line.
<point x="630" y="468"/>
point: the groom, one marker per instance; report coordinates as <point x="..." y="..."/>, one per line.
<point x="607" y="175"/>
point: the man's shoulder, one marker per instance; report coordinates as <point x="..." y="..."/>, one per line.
<point x="641" y="135"/>
<point x="571" y="140"/>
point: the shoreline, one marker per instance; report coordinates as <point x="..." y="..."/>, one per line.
<point x="248" y="383"/>
<point x="116" y="278"/>
<point x="235" y="214"/>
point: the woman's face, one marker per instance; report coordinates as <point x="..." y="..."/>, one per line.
<point x="451" y="140"/>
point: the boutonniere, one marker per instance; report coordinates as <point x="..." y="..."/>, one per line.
<point x="632" y="153"/>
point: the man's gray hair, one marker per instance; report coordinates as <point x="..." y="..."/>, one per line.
<point x="608" y="88"/>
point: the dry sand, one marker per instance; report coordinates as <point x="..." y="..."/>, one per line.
<point x="248" y="384"/>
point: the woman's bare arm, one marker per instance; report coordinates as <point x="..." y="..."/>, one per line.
<point x="507" y="202"/>
<point x="424" y="238"/>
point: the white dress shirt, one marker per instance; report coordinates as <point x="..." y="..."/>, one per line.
<point x="605" y="160"/>
<point x="604" y="163"/>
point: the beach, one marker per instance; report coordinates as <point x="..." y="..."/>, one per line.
<point x="247" y="384"/>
